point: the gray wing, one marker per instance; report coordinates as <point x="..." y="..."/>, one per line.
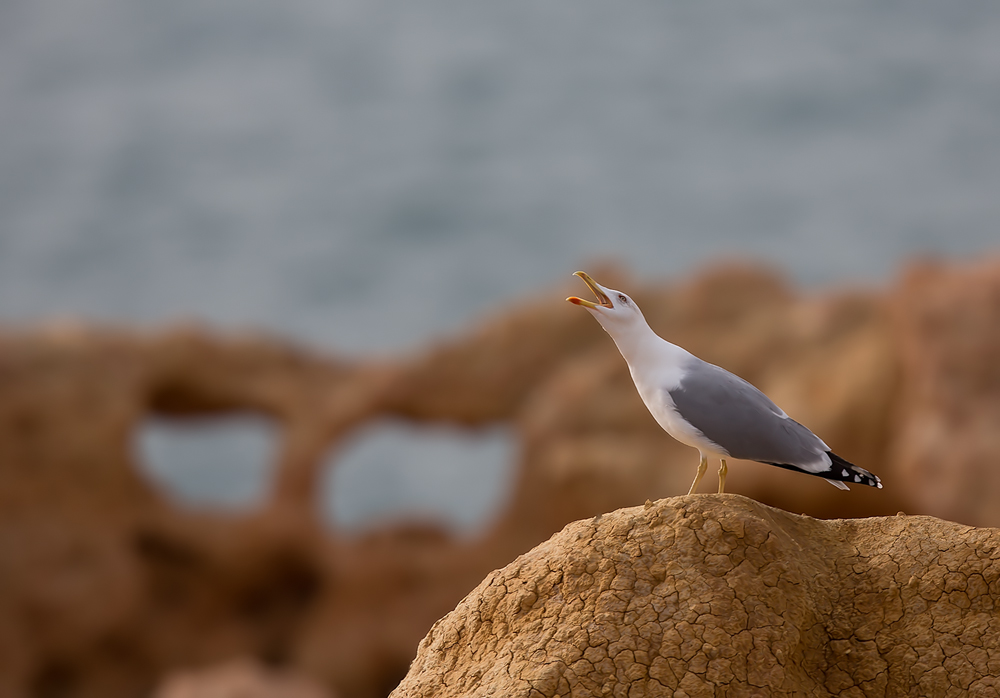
<point x="741" y="419"/>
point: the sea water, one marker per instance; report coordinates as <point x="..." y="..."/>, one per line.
<point x="364" y="176"/>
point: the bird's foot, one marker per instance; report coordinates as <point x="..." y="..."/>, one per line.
<point x="702" y="467"/>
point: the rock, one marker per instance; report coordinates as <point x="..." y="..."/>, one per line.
<point x="947" y="448"/>
<point x="106" y="585"/>
<point x="239" y="679"/>
<point x="696" y="594"/>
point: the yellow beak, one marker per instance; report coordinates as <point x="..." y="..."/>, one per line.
<point x="602" y="297"/>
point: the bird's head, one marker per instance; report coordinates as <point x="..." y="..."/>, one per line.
<point x="617" y="313"/>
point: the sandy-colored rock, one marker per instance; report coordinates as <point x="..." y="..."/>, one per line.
<point x="695" y="595"/>
<point x="947" y="450"/>
<point x="106" y="585"/>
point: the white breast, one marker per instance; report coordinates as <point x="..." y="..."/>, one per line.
<point x="654" y="380"/>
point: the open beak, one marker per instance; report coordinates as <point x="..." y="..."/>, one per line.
<point x="602" y="297"/>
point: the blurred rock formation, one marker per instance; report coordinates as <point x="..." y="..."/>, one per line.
<point x="695" y="594"/>
<point x="947" y="451"/>
<point x="240" y="678"/>
<point x="106" y="586"/>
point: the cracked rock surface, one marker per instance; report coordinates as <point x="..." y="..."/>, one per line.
<point x="712" y="595"/>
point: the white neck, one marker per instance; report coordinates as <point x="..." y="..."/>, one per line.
<point x="639" y="345"/>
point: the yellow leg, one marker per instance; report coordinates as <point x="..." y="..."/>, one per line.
<point x="723" y="470"/>
<point x="702" y="466"/>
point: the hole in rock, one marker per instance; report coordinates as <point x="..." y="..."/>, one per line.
<point x="459" y="477"/>
<point x="223" y="462"/>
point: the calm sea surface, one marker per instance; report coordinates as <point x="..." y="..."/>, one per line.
<point x="366" y="175"/>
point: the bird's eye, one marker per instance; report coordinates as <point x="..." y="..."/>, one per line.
<point x="623" y="298"/>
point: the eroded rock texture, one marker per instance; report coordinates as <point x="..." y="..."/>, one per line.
<point x="718" y="595"/>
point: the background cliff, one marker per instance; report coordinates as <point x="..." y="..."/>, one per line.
<point x="107" y="585"/>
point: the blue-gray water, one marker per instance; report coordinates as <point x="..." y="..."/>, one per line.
<point x="368" y="174"/>
<point x="388" y="470"/>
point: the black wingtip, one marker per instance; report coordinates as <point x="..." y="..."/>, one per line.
<point x="845" y="471"/>
<point x="840" y="469"/>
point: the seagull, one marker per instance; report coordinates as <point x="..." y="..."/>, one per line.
<point x="709" y="408"/>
